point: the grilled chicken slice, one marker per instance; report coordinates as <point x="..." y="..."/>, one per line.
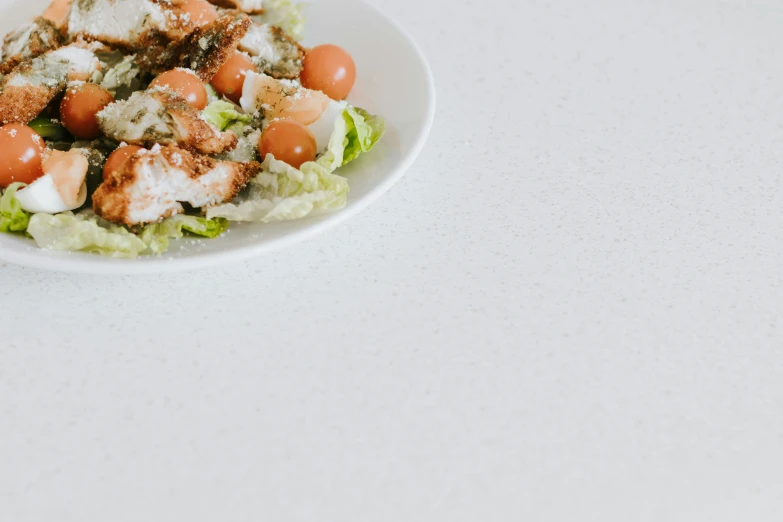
<point x="246" y="6"/>
<point x="273" y="51"/>
<point x="160" y="116"/>
<point x="29" y="41"/>
<point x="129" y="24"/>
<point x="31" y="86"/>
<point x="153" y="184"/>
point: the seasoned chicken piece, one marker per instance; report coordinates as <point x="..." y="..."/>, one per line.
<point x="152" y="185"/>
<point x="29" y="41"/>
<point x="207" y="48"/>
<point x="31" y="86"/>
<point x="129" y="24"/>
<point x="273" y="51"/>
<point x="159" y="116"/>
<point x="246" y="6"/>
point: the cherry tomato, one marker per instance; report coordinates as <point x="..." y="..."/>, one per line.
<point x="79" y="107"/>
<point x="21" y="153"/>
<point x="230" y="78"/>
<point x="330" y="69"/>
<point x="201" y="12"/>
<point x="184" y="83"/>
<point x="288" y="141"/>
<point x="117" y="160"/>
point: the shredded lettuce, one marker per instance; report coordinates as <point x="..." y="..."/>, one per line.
<point x="284" y="14"/>
<point x="89" y="233"/>
<point x="224" y="116"/>
<point x="12" y="217"/>
<point x="365" y="130"/>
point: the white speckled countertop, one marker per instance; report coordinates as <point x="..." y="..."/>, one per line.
<point x="568" y="310"/>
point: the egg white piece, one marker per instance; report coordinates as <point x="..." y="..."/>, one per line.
<point x="42" y="196"/>
<point x="251" y="98"/>
<point x="323" y="128"/>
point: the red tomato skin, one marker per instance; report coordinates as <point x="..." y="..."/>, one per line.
<point x="288" y="141"/>
<point x="21" y="149"/>
<point x="330" y="69"/>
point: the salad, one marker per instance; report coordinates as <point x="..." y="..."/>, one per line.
<point x="127" y="123"/>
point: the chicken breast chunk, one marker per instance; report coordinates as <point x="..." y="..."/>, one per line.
<point x="128" y="24"/>
<point x="273" y="51"/>
<point x="159" y="116"/>
<point x="29" y="41"/>
<point x="152" y="185"/>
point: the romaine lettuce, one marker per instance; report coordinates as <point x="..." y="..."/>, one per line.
<point x="89" y="233"/>
<point x="12" y="217"/>
<point x="224" y="116"/>
<point x="282" y="193"/>
<point x="364" y="131"/>
<point x="156" y="236"/>
<point x="122" y="77"/>
<point x="79" y="233"/>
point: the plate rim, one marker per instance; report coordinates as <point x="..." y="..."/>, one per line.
<point x="103" y="266"/>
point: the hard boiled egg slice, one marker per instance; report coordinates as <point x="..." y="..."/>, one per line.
<point x="61" y="188"/>
<point x="323" y="128"/>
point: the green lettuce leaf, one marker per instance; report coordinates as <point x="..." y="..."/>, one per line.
<point x="364" y="131"/>
<point x="79" y="233"/>
<point x="123" y="77"/>
<point x="284" y="14"/>
<point x="224" y="116"/>
<point x="12" y="217"/>
<point x="157" y="235"/>
<point x="282" y="193"/>
<point x="89" y="233"/>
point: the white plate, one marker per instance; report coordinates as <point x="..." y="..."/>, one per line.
<point x="394" y="80"/>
